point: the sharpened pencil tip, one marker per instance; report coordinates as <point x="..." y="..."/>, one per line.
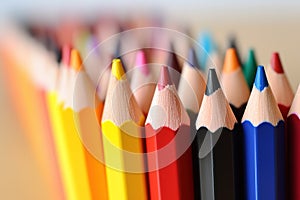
<point x="66" y="53"/>
<point x="231" y="62"/>
<point x="276" y="63"/>
<point x="212" y="82"/>
<point x="192" y="58"/>
<point x="164" y="79"/>
<point x="261" y="80"/>
<point x="117" y="69"/>
<point x="251" y="60"/>
<point x="141" y="62"/>
<point x="76" y="62"/>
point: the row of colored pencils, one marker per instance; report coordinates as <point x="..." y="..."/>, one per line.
<point x="109" y="129"/>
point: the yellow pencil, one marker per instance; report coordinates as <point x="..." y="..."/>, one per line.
<point x="121" y="139"/>
<point x="69" y="147"/>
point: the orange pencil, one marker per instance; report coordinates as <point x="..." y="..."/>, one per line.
<point x="86" y="108"/>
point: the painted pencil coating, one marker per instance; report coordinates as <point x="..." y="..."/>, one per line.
<point x="262" y="182"/>
<point x="217" y="170"/>
<point x="293" y="139"/>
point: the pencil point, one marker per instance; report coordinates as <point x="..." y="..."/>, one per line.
<point x="172" y="59"/>
<point x="66" y="53"/>
<point x="75" y="60"/>
<point x="249" y="68"/>
<point x="141" y="63"/>
<point x="232" y="43"/>
<point x="212" y="82"/>
<point x="192" y="58"/>
<point x="231" y="62"/>
<point x="164" y="79"/>
<point x="276" y="63"/>
<point x="117" y="69"/>
<point x="261" y="80"/>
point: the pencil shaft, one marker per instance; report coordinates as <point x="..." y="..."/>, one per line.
<point x="195" y="153"/>
<point x="264" y="161"/>
<point x="89" y="132"/>
<point x="239" y="152"/>
<point x="293" y="159"/>
<point x="175" y="180"/>
<point x="122" y="181"/>
<point x="76" y="167"/>
<point x="217" y="167"/>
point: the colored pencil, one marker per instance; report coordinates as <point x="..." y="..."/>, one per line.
<point x="168" y="144"/>
<point x="215" y="138"/>
<point x="264" y="143"/>
<point x="280" y="85"/>
<point x="249" y="68"/>
<point x="191" y="90"/>
<point x="232" y="44"/>
<point x="234" y="84"/>
<point x="68" y="144"/>
<point x="86" y="108"/>
<point x="122" y="142"/>
<point x="143" y="82"/>
<point x="55" y="117"/>
<point x="237" y="92"/>
<point x="207" y="52"/>
<point x="293" y="133"/>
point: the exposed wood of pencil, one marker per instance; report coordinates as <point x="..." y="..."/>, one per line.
<point x="222" y="113"/>
<point x="281" y="87"/>
<point x="235" y="87"/>
<point x="191" y="87"/>
<point x="177" y="114"/>
<point x="268" y="112"/>
<point x="121" y="107"/>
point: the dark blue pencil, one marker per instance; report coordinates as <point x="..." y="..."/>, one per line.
<point x="264" y="143"/>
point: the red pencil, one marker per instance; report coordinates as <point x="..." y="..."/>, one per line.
<point x="168" y="144"/>
<point x="293" y="135"/>
<point x="280" y="85"/>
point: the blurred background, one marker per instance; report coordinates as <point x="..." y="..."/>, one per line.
<point x="267" y="26"/>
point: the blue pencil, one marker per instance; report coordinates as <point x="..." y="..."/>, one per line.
<point x="264" y="143"/>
